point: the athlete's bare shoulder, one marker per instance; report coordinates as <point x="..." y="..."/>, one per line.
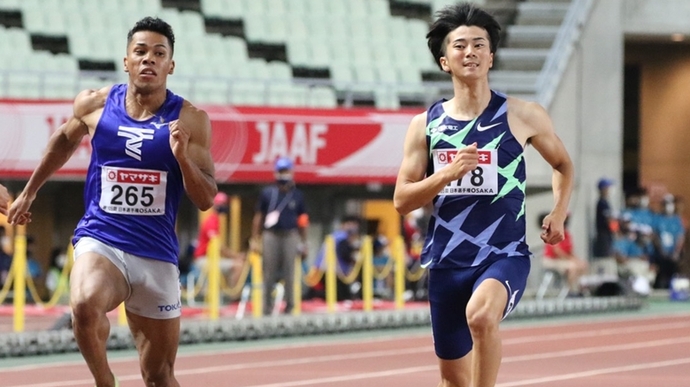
<point x="192" y="111"/>
<point x="196" y="121"/>
<point x="89" y="101"/>
<point x="527" y="118"/>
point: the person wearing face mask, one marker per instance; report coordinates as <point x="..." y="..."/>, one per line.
<point x="637" y="207"/>
<point x="231" y="262"/>
<point x="669" y="240"/>
<point x="279" y="232"/>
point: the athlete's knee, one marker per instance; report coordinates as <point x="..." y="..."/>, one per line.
<point x="454" y="378"/>
<point x="161" y="376"/>
<point x="85" y="313"/>
<point x="482" y="321"/>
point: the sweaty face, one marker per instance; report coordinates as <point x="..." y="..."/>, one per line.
<point x="149" y="60"/>
<point x="468" y="52"/>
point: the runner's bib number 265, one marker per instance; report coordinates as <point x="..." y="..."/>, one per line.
<point x="483" y="180"/>
<point x="133" y="191"/>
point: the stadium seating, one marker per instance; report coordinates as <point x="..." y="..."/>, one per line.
<point x="364" y="55"/>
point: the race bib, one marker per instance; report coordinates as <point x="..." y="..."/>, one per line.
<point x="133" y="191"/>
<point x="483" y="180"/>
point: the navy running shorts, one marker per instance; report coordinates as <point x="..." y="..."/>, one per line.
<point x="450" y="291"/>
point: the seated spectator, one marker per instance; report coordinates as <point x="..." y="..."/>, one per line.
<point x="561" y="258"/>
<point x="347" y="242"/>
<point x="632" y="249"/>
<point x="382" y="287"/>
<point x="32" y="263"/>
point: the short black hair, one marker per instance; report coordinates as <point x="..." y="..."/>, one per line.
<point x="156" y="25"/>
<point x="453" y="16"/>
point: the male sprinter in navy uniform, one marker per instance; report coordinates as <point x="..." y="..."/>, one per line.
<point x="149" y="145"/>
<point x="466" y="155"/>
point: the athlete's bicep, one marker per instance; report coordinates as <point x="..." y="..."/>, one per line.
<point x="199" y="147"/>
<point x="545" y="140"/>
<point x="415" y="159"/>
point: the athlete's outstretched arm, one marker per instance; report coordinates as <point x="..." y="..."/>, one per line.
<point x="412" y="189"/>
<point x="551" y="148"/>
<point x="190" y="141"/>
<point x="61" y="146"/>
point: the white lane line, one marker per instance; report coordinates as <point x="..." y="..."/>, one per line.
<point x="349" y="377"/>
<point x="601" y="371"/>
<point x="376" y="354"/>
<point x="597" y="332"/>
<point x="356" y="341"/>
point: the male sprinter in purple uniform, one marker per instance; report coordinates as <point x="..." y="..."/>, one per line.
<point x="466" y="155"/>
<point x="149" y="145"/>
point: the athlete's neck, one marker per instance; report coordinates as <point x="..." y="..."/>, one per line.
<point x="469" y="100"/>
<point x="143" y="105"/>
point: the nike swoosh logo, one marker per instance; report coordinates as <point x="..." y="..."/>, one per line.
<point x="483" y="128"/>
<point x="158" y="126"/>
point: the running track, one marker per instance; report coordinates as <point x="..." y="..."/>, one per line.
<point x="632" y="350"/>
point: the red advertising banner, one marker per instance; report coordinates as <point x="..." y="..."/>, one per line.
<point x="339" y="146"/>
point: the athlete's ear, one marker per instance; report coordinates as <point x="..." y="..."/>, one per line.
<point x="491" y="62"/>
<point x="124" y="63"/>
<point x="172" y="67"/>
<point x="444" y="64"/>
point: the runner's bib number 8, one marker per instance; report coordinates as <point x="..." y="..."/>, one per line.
<point x="133" y="191"/>
<point x="483" y="180"/>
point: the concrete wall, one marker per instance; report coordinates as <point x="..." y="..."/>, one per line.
<point x="587" y="112"/>
<point x="655" y="17"/>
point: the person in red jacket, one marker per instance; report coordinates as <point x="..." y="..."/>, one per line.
<point x="230" y="262"/>
<point x="562" y="259"/>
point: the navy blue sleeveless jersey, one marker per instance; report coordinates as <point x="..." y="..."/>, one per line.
<point x="480" y="218"/>
<point x="134" y="183"/>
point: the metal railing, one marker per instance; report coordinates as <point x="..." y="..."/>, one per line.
<point x="561" y="50"/>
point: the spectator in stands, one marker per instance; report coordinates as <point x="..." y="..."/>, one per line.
<point x="561" y="258"/>
<point x="347" y="252"/>
<point x="637" y="209"/>
<point x="383" y="287"/>
<point x="346" y="240"/>
<point x="230" y="262"/>
<point x="632" y="249"/>
<point x="415" y="227"/>
<point x="669" y="241"/>
<point x="4" y="199"/>
<point x="33" y="264"/>
<point x="603" y="241"/>
<point x="279" y="231"/>
<point x="466" y="154"/>
<point x="149" y="147"/>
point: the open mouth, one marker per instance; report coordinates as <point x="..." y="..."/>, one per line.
<point x="148" y="73"/>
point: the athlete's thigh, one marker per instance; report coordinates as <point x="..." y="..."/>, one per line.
<point x="97" y="277"/>
<point x="501" y="286"/>
<point x="449" y="293"/>
<point x="156" y="341"/>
